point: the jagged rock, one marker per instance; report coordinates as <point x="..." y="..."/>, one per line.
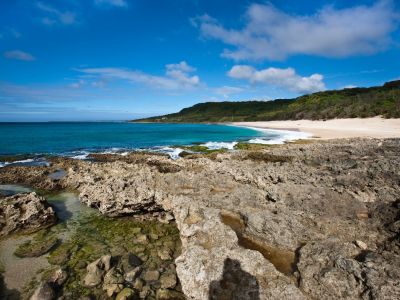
<point x="299" y="206"/>
<point x="94" y="275"/>
<point x="25" y="213"/>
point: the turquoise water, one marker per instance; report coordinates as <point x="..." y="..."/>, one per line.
<point x="74" y="139"/>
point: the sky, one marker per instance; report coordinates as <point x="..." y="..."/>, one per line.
<point x="72" y="60"/>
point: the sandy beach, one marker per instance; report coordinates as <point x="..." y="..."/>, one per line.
<point x="337" y="128"/>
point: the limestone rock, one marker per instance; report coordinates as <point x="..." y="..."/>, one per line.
<point x="25" y="213"/>
<point x="94" y="275"/>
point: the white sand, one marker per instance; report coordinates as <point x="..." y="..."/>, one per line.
<point x="337" y="128"/>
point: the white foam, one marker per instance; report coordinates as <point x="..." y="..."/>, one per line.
<point x="172" y="152"/>
<point x="24" y="161"/>
<point x="82" y="155"/>
<point x="277" y="136"/>
<point x="220" y="145"/>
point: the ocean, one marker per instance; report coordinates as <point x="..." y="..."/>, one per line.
<point x="78" y="139"/>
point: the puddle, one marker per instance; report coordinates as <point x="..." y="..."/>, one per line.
<point x="85" y="235"/>
<point x="58" y="175"/>
<point x="7" y="190"/>
<point x="283" y="260"/>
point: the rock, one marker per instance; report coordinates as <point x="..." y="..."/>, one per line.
<point x="113" y="276"/>
<point x="144" y="292"/>
<point x="151" y="275"/>
<point x="106" y="261"/>
<point x="25" y="213"/>
<point x="165" y="253"/>
<point x="125" y="294"/>
<point x="44" y="292"/>
<point x="361" y="245"/>
<point x="112" y="289"/>
<point x="291" y="198"/>
<point x="142" y="239"/>
<point x="138" y="284"/>
<point x="168" y="281"/>
<point x="59" y="277"/>
<point x="133" y="274"/>
<point x="164" y="294"/>
<point x="94" y="274"/>
<point x="130" y="261"/>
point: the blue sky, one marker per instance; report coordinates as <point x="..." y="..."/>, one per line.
<point x="121" y="59"/>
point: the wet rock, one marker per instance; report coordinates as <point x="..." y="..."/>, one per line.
<point x="164" y="294"/>
<point x="125" y="294"/>
<point x="168" y="281"/>
<point x="25" y="213"/>
<point x="58" y="278"/>
<point x="151" y="275"/>
<point x="106" y="261"/>
<point x="138" y="284"/>
<point x="44" y="292"/>
<point x="94" y="274"/>
<point x="165" y="253"/>
<point x="142" y="239"/>
<point x="133" y="274"/>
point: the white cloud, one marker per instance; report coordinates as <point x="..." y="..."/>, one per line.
<point x="270" y="33"/>
<point x="177" y="76"/>
<point x="226" y="91"/>
<point x="284" y="78"/>
<point x="55" y="16"/>
<point x="117" y="3"/>
<point x="19" y="55"/>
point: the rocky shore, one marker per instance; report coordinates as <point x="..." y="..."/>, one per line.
<point x="298" y="221"/>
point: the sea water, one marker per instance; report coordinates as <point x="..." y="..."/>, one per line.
<point x="78" y="139"/>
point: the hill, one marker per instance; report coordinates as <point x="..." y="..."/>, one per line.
<point x="347" y="103"/>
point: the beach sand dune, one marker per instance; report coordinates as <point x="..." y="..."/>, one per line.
<point x="376" y="127"/>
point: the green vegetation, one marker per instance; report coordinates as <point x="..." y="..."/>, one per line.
<point x="250" y="146"/>
<point x="347" y="103"/>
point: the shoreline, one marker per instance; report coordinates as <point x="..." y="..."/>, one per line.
<point x="376" y="127"/>
<point x="274" y="214"/>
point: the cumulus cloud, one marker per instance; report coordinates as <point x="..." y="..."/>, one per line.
<point x="284" y="78"/>
<point x="117" y="3"/>
<point x="55" y="16"/>
<point x="177" y="76"/>
<point x="270" y="33"/>
<point x="19" y="55"/>
<point x="226" y="91"/>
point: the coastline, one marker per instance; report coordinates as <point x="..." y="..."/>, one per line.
<point x="376" y="127"/>
<point x="287" y="214"/>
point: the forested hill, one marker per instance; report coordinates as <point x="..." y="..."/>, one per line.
<point x="348" y="103"/>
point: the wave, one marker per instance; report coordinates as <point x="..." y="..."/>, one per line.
<point x="220" y="145"/>
<point x="276" y="137"/>
<point x="26" y="162"/>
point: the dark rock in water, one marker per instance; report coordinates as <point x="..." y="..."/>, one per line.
<point x="36" y="248"/>
<point x="44" y="292"/>
<point x="25" y="213"/>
